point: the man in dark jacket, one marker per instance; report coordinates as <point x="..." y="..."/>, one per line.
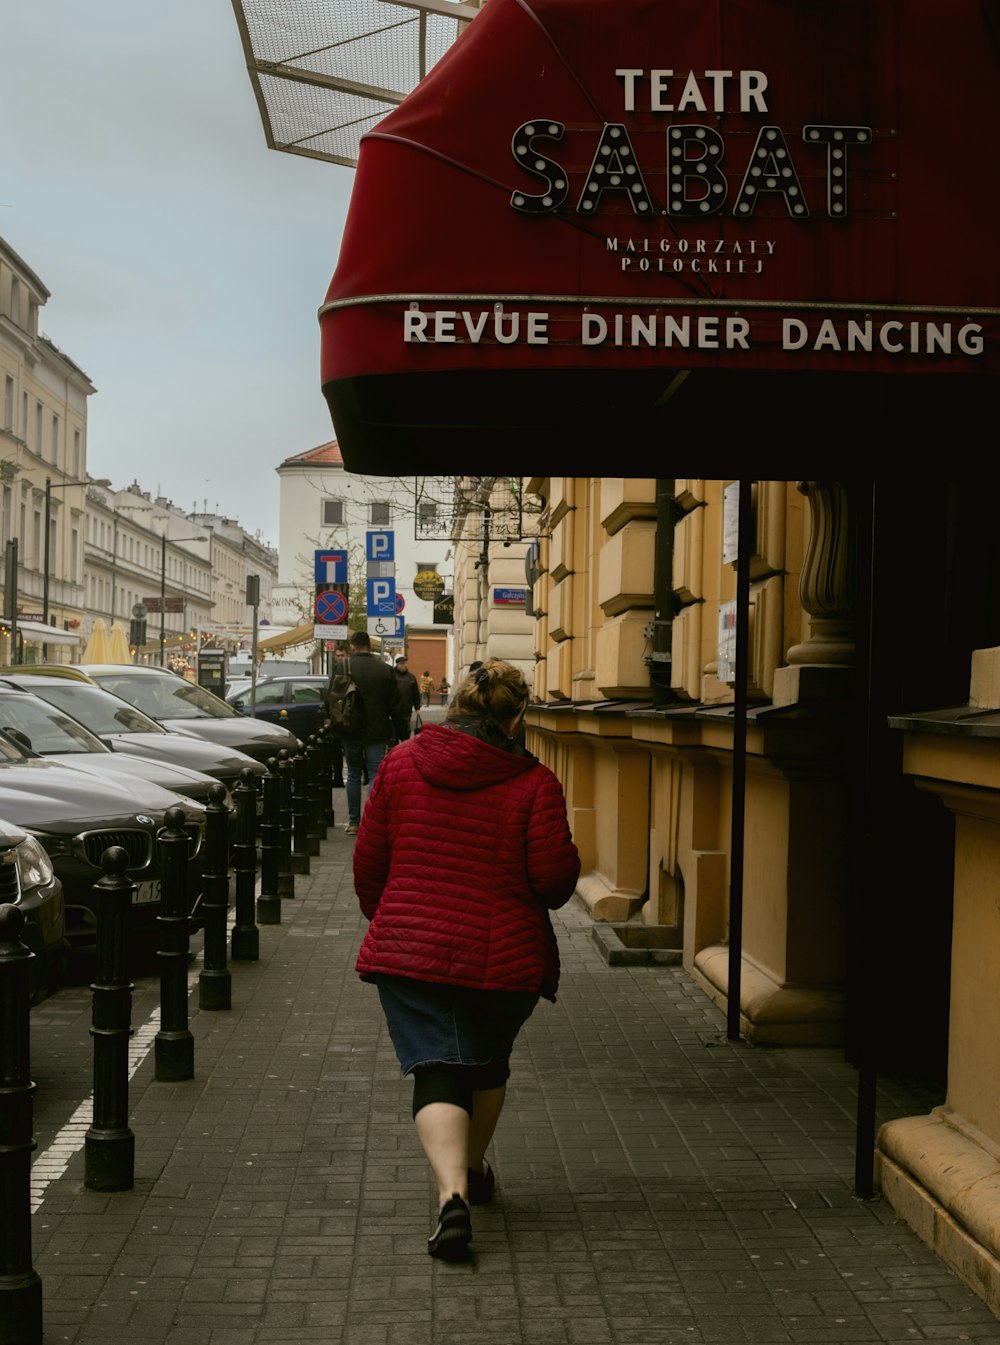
<point x="409" y="696"/>
<point x="365" y="748"/>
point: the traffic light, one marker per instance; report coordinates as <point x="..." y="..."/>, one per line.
<point x="137" y="632"/>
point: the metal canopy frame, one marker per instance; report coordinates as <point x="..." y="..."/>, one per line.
<point x="326" y="71"/>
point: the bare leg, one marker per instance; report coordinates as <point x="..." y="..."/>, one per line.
<point x="443" y="1130"/>
<point x="487" y="1104"/>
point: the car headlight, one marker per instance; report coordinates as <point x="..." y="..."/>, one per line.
<point x="33" y="866"/>
<point x="53" y="845"/>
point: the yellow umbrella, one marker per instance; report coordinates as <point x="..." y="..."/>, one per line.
<point x="97" y="646"/>
<point x="118" y="650"/>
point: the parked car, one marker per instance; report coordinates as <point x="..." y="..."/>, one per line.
<point x="295" y="702"/>
<point x="46" y="731"/>
<point x="183" y="707"/>
<point x="123" y="728"/>
<point x="27" y="880"/>
<point x="75" y="816"/>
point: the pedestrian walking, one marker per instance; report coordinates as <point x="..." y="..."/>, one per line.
<point x="336" y="738"/>
<point x="367" y="744"/>
<point x="426" y="686"/>
<point x="443" y="689"/>
<point x="409" y="695"/>
<point x="463" y="851"/>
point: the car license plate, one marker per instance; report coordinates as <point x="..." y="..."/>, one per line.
<point x="146" y="892"/>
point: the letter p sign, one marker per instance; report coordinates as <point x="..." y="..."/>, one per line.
<point x="379" y="546"/>
<point x="381" y="597"/>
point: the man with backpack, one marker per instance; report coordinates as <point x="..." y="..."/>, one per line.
<point x="362" y="702"/>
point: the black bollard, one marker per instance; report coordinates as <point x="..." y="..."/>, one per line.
<point x="317" y="814"/>
<point x="269" y="900"/>
<point x="286" y="878"/>
<point x="173" y="1046"/>
<point x="326" y="775"/>
<point x="20" y="1286"/>
<point x="215" y="982"/>
<point x="246" y="935"/>
<point x="300" y="815"/>
<point x="109" y="1145"/>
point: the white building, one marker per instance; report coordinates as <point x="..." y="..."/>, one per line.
<point x="322" y="506"/>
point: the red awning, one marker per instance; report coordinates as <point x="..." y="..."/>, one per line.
<point x="611" y="218"/>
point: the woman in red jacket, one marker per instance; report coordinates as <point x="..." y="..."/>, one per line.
<point x="464" y="848"/>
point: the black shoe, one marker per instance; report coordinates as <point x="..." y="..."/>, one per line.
<point x="481" y="1185"/>
<point x="453" y="1234"/>
<point x="338" y="784"/>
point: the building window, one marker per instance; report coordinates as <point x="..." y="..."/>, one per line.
<point x="76" y="453"/>
<point x="38" y="429"/>
<point x="15" y="300"/>
<point x="74" y="564"/>
<point x="8" y="403"/>
<point x="24" y="416"/>
<point x="55" y="440"/>
<point x="379" y="514"/>
<point x="333" y="513"/>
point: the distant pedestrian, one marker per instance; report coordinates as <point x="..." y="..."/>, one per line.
<point x="365" y="747"/>
<point x="426" y="686"/>
<point x="336" y="741"/>
<point x="443" y="689"/>
<point x="409" y="696"/>
<point x="463" y="851"/>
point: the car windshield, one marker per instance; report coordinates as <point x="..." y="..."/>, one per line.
<point x="43" y="728"/>
<point x="101" y="712"/>
<point x="166" y="697"/>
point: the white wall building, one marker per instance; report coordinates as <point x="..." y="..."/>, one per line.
<point x="324" y="506"/>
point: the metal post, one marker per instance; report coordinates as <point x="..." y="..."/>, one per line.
<point x="246" y="936"/>
<point x="300" y="815"/>
<point x="286" y="875"/>
<point x="20" y="1286"/>
<point x="325" y="741"/>
<point x="173" y="1044"/>
<point x="317" y="825"/>
<point x="109" y="1145"/>
<point x="269" y="901"/>
<point x="215" y="979"/>
<point x="744" y="549"/>
<point x="163" y="597"/>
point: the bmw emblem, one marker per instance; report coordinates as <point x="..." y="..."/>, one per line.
<point x="146" y="821"/>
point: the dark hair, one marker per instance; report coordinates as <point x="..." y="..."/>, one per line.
<point x="359" y="639"/>
<point x="495" y="690"/>
<point x="476" y="663"/>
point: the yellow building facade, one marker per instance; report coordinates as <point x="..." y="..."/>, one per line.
<point x="867" y="833"/>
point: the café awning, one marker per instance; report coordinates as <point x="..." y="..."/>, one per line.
<point x="555" y="239"/>
<point x="288" y="639"/>
<point x="39" y="632"/>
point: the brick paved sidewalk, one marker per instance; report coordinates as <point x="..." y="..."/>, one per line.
<point x="657" y="1184"/>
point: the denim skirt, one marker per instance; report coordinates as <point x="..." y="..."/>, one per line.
<point x="451" y="1025"/>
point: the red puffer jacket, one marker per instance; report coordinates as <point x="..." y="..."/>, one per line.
<point x="463" y="850"/>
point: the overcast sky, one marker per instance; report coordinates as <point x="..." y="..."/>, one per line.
<point x="185" y="259"/>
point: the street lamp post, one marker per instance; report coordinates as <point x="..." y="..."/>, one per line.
<point x="50" y="486"/>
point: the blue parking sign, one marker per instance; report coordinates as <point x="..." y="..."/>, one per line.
<point x="381" y="597"/>
<point x="380" y="546"/>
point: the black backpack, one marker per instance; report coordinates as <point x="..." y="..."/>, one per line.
<point x="343" y="702"/>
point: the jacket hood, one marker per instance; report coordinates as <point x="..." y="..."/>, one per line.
<point x="450" y="759"/>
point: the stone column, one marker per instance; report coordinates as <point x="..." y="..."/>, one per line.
<point x="820" y="667"/>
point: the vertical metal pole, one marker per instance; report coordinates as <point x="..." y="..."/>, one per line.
<point x="317" y="813"/>
<point x="245" y="936"/>
<point x="286" y="875"/>
<point x="109" y="1145"/>
<point x="163" y="597"/>
<point x="45" y="561"/>
<point x="174" y="1045"/>
<point x="214" y="979"/>
<point x="300" y="815"/>
<point x="20" y="1286"/>
<point x="864" y="968"/>
<point x="269" y="901"/>
<point x="738" y="822"/>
